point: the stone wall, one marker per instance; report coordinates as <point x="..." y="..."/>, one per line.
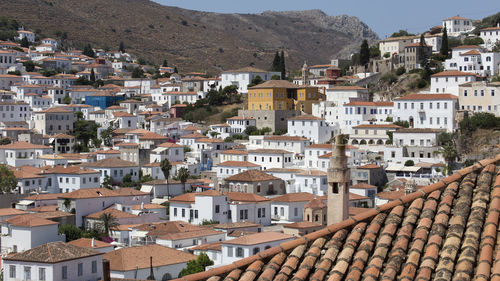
<point x="274" y="119"/>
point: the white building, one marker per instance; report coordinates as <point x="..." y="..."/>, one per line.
<point x="134" y="262"/>
<point x="433" y="40"/>
<point x="435" y="111"/>
<point x="212" y="205"/>
<point x="271" y="158"/>
<point x="40" y="263"/>
<point x="115" y="168"/>
<point x="83" y="202"/>
<point x="365" y="112"/>
<point x="30" y="36"/>
<point x="395" y="45"/>
<point x="248" y="245"/>
<point x="171" y="151"/>
<point x="417" y="145"/>
<point x="244" y="76"/>
<point x="230" y="168"/>
<point x="490" y="36"/>
<point x="22" y="153"/>
<point x="448" y="81"/>
<point x="24" y="232"/>
<point x="457" y="25"/>
<point x="15" y="111"/>
<point x="310" y="127"/>
<point x="474" y="59"/>
<point x="290" y="207"/>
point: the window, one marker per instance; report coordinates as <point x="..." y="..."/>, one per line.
<point x="80" y="269"/>
<point x="465" y="93"/>
<point x="217" y="209"/>
<point x="239" y="252"/>
<point x="175" y="212"/>
<point x="27" y="273"/>
<point x="94" y="266"/>
<point x="229" y="251"/>
<point x="12" y="271"/>
<point x="183" y="213"/>
<point x="41" y="273"/>
<point x="64" y="272"/>
<point x="296" y="211"/>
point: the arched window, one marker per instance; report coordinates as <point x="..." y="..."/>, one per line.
<point x="256" y="250"/>
<point x="258" y="187"/>
<point x="316" y="218"/>
<point x="488" y="58"/>
<point x="267" y="247"/>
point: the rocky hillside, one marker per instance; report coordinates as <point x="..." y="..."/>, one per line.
<point x="194" y="40"/>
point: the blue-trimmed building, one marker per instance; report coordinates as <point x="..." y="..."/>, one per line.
<point x="103" y="100"/>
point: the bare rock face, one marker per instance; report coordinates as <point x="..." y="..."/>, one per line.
<point x="194" y="40"/>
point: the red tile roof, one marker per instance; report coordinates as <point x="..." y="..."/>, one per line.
<point x="453" y="73"/>
<point x="452" y="223"/>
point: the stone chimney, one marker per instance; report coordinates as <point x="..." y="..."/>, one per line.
<point x="92" y="244"/>
<point x="338" y="183"/>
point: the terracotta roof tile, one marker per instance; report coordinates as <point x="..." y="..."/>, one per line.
<point x="55" y="252"/>
<point x="127" y="259"/>
<point x="251" y="176"/>
<point x="444" y="231"/>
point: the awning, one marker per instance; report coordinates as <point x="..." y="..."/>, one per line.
<point x="25" y="202"/>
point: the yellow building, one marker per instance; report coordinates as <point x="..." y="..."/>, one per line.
<point x="282" y="95"/>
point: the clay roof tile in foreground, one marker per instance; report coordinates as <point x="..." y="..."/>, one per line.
<point x="443" y="231"/>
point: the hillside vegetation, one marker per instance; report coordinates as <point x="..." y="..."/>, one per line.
<point x="193" y="40"/>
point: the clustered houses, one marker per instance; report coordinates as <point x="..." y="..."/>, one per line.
<point x="120" y="159"/>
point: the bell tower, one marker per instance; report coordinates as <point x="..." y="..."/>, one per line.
<point x="338" y="183"/>
<point x="305" y="74"/>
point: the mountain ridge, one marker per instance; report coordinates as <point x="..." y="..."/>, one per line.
<point x="195" y="40"/>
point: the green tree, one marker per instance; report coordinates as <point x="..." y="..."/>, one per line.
<point x="256" y="81"/>
<point x="282" y="65"/>
<point x="121" y="48"/>
<point x="71" y="232"/>
<point x="4" y="141"/>
<point x="449" y="153"/>
<point x="197" y="265"/>
<point x="403" y="124"/>
<point x="137" y="73"/>
<point x="175" y="69"/>
<point x="183" y="175"/>
<point x="364" y="53"/>
<point x="374" y="51"/>
<point x="92" y="76"/>
<point x="108" y="221"/>
<point x="165" y="167"/>
<point x="25" y="43"/>
<point x="66" y="99"/>
<point x="8" y="181"/>
<point x="444" y="43"/>
<point x="84" y="131"/>
<point x="409" y="163"/>
<point x="88" y="51"/>
<point x="164" y="64"/>
<point x="276" y="66"/>
<point x="473" y="41"/>
<point x="107" y="182"/>
<point x="29" y="66"/>
<point x="422" y="54"/>
<point x="401" y="32"/>
<point x="127" y="181"/>
<point x="107" y="136"/>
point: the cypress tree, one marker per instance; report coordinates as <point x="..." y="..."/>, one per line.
<point x="88" y="51"/>
<point x="276" y="66"/>
<point x="164" y="64"/>
<point x="364" y="53"/>
<point x="122" y="47"/>
<point x="25" y="43"/>
<point x="444" y="44"/>
<point x="175" y="69"/>
<point x="422" y="55"/>
<point x="282" y="65"/>
<point x="92" y="75"/>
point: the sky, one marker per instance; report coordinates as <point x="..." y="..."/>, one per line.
<point x="383" y="16"/>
